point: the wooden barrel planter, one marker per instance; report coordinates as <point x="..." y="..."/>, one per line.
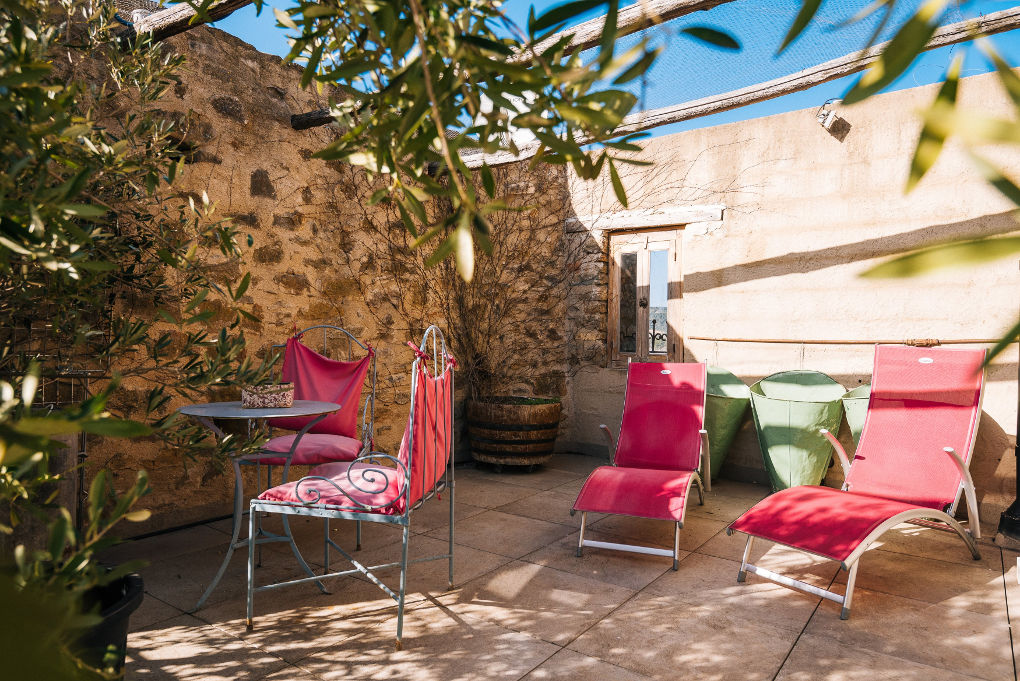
<point x="513" y="431"/>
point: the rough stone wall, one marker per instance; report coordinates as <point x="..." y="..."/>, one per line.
<point x="322" y="254"/>
<point x="806" y="213"/>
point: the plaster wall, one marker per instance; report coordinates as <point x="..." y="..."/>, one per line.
<point x="807" y="213"/>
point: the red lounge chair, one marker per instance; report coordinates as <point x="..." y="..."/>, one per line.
<point x="910" y="466"/>
<point x="377" y="487"/>
<point x="662" y="447"/>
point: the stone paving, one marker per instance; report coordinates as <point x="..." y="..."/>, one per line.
<point x="524" y="607"/>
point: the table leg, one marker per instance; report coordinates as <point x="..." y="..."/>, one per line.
<point x="235" y="530"/>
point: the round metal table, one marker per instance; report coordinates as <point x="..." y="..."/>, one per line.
<point x="205" y="414"/>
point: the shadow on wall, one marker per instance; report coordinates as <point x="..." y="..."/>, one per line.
<point x="802" y="262"/>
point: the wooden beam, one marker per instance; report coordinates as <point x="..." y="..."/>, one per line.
<point x="997" y="22"/>
<point x="951" y="34"/>
<point x="631" y="19"/>
<point x="644" y="218"/>
<point x="311" y="119"/>
<point x="180" y="18"/>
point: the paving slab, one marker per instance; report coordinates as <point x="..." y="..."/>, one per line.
<point x="439" y="645"/>
<point x="545" y="603"/>
<point x="506" y="534"/>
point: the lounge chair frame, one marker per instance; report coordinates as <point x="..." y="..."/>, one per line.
<point x="925" y="517"/>
<point x="696" y="479"/>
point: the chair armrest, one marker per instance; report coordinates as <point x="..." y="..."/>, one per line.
<point x="706" y="461"/>
<point x="844" y="460"/>
<point x="609" y="440"/>
<point x="968" y="489"/>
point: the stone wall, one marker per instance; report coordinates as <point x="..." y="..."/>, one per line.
<point x="806" y="213"/>
<point x="321" y="254"/>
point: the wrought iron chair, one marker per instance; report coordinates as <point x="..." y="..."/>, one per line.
<point x="378" y="487"/>
<point x="329" y="373"/>
<point x="911" y="466"/>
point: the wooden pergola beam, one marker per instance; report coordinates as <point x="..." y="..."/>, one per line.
<point x="951" y="34"/>
<point x="180" y="18"/>
<point x="631" y="19"/>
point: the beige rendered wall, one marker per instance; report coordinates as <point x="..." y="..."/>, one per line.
<point x="805" y="214"/>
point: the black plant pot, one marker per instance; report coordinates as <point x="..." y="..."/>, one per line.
<point x="116" y="601"/>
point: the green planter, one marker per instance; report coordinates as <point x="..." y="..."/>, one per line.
<point x="855" y="403"/>
<point x="726" y="404"/>
<point x="789" y="409"/>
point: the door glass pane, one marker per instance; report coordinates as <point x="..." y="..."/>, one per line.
<point x="628" y="302"/>
<point x="658" y="286"/>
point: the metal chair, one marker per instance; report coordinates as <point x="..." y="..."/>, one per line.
<point x="326" y="371"/>
<point x="911" y="466"/>
<point x="378" y="487"/>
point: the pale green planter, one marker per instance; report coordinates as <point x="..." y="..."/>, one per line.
<point x="855" y="403"/>
<point x="726" y="403"/>
<point x="789" y="409"/>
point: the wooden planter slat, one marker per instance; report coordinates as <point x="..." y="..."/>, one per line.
<point x="512" y="434"/>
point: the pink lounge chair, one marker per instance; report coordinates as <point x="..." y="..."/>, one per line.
<point x="378" y="487"/>
<point x="661" y="449"/>
<point x="910" y="466"/>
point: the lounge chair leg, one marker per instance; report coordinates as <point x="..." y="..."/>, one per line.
<point x="357" y="538"/>
<point x="249" y="621"/>
<point x="742" y="574"/>
<point x="676" y="548"/>
<point x="580" y="537"/>
<point x="845" y="612"/>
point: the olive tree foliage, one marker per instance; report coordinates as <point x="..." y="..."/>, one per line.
<point x="942" y="120"/>
<point x="421" y="84"/>
<point x="104" y="268"/>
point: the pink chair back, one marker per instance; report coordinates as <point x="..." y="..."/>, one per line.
<point x="428" y="438"/>
<point x="328" y="380"/>
<point x="922" y="400"/>
<point x="663" y="412"/>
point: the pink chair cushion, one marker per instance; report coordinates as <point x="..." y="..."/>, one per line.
<point x="821" y="520"/>
<point x="364" y="484"/>
<point x="922" y="400"/>
<point x="312" y="449"/>
<point x="641" y="492"/>
<point x="663" y="411"/>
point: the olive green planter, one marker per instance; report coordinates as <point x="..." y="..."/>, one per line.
<point x="789" y="409"/>
<point x="513" y="431"/>
<point x="855" y="403"/>
<point x="726" y="404"/>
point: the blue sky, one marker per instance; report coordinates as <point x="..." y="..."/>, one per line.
<point x="688" y="70"/>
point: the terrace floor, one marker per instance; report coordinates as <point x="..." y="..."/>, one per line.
<point x="525" y="607"/>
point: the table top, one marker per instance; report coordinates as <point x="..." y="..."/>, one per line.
<point x="233" y="410"/>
